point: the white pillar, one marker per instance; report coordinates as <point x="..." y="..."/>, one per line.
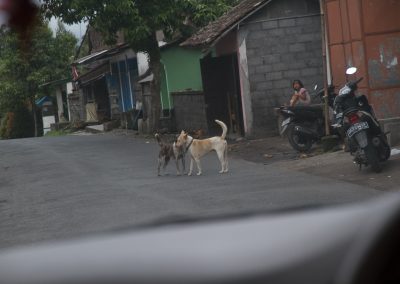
<point x="60" y="104"/>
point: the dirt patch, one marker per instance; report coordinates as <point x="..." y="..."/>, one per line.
<point x="336" y="164"/>
<point x="340" y="166"/>
<point x="268" y="150"/>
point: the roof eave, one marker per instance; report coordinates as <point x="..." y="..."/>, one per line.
<point x="55" y="82"/>
<point x="103" y="54"/>
<point x="228" y="29"/>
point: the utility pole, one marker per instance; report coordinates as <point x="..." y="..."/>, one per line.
<point x="324" y="64"/>
<point x="329" y="141"/>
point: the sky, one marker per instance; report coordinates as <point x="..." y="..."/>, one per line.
<point x="77" y="29"/>
<point x="3" y="18"/>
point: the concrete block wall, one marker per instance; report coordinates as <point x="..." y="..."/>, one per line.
<point x="190" y="111"/>
<point x="76" y="107"/>
<point x="279" y="51"/>
<point x="114" y="105"/>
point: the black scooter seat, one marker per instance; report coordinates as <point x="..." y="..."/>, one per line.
<point x="307" y="112"/>
<point x="315" y="108"/>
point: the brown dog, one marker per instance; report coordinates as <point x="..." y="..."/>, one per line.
<point x="198" y="148"/>
<point x="168" y="151"/>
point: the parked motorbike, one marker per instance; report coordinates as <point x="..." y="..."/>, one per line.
<point x="305" y="125"/>
<point x="368" y="144"/>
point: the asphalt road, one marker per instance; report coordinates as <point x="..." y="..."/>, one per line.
<point x="66" y="187"/>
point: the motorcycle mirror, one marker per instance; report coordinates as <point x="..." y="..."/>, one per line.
<point x="315" y="87"/>
<point x="351" y="70"/>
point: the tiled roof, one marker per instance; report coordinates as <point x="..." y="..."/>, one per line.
<point x="208" y="34"/>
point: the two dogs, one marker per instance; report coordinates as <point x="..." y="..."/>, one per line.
<point x="197" y="148"/>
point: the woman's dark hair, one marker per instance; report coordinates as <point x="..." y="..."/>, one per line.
<point x="298" y="82"/>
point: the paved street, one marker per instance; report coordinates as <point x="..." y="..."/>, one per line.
<point x="65" y="187"/>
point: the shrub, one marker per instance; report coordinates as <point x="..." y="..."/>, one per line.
<point x="6" y="125"/>
<point x="17" y="124"/>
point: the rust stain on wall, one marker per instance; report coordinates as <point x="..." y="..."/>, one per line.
<point x="383" y="60"/>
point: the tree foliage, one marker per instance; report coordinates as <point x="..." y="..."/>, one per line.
<point x="23" y="70"/>
<point x="139" y="20"/>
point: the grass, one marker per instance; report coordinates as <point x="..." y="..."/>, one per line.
<point x="55" y="133"/>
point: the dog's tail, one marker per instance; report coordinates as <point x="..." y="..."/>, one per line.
<point x="157" y="136"/>
<point x="224" y="128"/>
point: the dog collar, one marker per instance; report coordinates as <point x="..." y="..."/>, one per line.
<point x="190" y="144"/>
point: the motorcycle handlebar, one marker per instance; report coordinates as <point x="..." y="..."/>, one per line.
<point x="353" y="84"/>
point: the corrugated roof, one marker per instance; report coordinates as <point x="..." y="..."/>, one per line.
<point x="147" y="79"/>
<point x="89" y="57"/>
<point x="94" y="74"/>
<point x="55" y="82"/>
<point x="210" y="33"/>
<point x="101" y="54"/>
<point x="41" y="101"/>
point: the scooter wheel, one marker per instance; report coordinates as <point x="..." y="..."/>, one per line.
<point x="372" y="158"/>
<point x="301" y="143"/>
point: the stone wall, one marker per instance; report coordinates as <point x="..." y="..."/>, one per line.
<point x="76" y="107"/>
<point x="278" y="51"/>
<point x="190" y="111"/>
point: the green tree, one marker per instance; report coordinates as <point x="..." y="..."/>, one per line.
<point x="24" y="66"/>
<point x="139" y="20"/>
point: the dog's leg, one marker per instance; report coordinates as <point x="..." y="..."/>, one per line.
<point x="184" y="164"/>
<point x="160" y="161"/>
<point x="198" y="164"/>
<point x="221" y="158"/>
<point x="178" y="171"/>
<point x="166" y="161"/>
<point x="191" y="166"/>
<point x="226" y="158"/>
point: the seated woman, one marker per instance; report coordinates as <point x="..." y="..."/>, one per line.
<point x="300" y="96"/>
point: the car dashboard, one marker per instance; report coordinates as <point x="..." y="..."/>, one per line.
<point x="353" y="243"/>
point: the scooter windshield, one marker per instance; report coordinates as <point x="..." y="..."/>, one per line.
<point x="344" y="91"/>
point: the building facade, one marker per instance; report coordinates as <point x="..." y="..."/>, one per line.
<point x="366" y="34"/>
<point x="255" y="51"/>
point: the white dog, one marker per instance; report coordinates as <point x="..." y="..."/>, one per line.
<point x="198" y="148"/>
